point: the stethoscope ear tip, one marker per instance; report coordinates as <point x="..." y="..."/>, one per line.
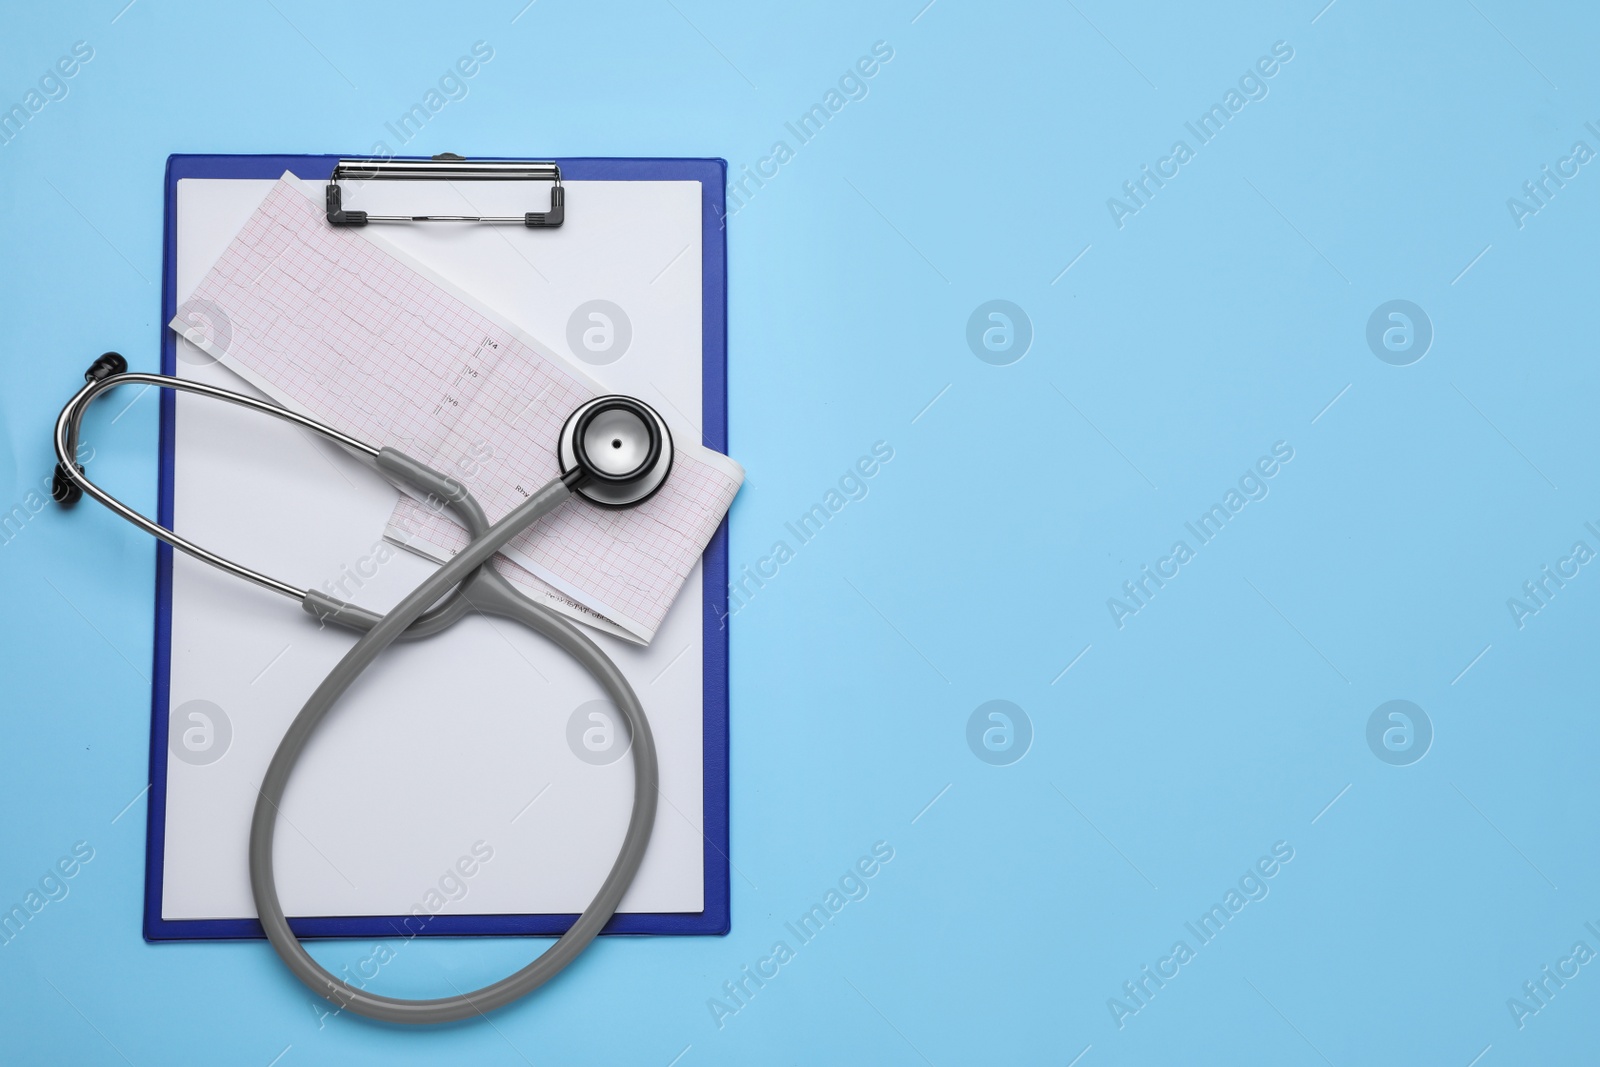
<point x="108" y="364"/>
<point x="63" y="490"/>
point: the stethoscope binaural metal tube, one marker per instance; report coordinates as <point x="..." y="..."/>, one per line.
<point x="66" y="440"/>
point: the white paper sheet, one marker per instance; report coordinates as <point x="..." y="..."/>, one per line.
<point x="459" y="739"/>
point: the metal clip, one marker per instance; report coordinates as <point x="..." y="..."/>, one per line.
<point x="446" y="167"/>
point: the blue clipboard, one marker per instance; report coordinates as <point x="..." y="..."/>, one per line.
<point x="715" y="919"/>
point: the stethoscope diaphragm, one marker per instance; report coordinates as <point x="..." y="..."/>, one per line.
<point x="615" y="451"/>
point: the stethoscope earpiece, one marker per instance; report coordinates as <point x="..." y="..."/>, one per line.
<point x="615" y="451"/>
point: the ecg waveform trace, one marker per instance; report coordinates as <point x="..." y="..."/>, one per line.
<point x="352" y="333"/>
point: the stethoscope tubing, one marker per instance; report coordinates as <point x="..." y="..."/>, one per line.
<point x="487" y="591"/>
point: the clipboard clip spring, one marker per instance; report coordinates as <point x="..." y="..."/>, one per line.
<point x="447" y="167"/>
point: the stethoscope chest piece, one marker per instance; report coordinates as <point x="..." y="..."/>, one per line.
<point x="615" y="451"/>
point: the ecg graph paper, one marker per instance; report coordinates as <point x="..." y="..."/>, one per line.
<point x="352" y="333"/>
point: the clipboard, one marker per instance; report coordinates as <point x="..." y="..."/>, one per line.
<point x="714" y="916"/>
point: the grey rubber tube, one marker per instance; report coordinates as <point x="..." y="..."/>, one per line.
<point x="482" y="589"/>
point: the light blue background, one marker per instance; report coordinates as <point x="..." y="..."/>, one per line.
<point x="1224" y="717"/>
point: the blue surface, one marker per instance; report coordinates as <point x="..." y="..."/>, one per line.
<point x="714" y="918"/>
<point x="1230" y="713"/>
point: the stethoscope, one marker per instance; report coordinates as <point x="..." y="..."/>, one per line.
<point x="615" y="452"/>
